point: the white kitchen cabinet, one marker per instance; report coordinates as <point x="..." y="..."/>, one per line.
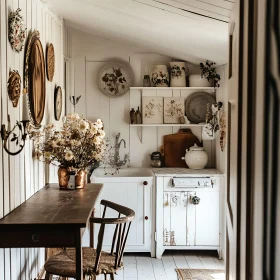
<point x="134" y="193"/>
<point x="182" y="224"/>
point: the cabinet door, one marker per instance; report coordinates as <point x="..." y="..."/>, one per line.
<point x="175" y="220"/>
<point x="135" y="196"/>
<point x="191" y="221"/>
<point x="207" y="219"/>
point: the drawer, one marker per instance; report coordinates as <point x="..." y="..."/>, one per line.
<point x="22" y="239"/>
<point x="210" y="184"/>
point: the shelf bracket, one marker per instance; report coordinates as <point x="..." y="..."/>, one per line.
<point x="140" y="134"/>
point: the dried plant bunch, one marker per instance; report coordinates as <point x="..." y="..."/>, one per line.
<point x="78" y="144"/>
<point x="208" y="70"/>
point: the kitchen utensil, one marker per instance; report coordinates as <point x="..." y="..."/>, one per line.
<point x="175" y="146"/>
<point x="196" y="106"/>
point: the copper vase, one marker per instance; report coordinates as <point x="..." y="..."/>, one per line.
<point x="63" y="177"/>
<point x="80" y="179"/>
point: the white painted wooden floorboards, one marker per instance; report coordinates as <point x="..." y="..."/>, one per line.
<point x="142" y="267"/>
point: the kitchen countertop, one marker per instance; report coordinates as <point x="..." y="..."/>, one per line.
<point x="180" y="172"/>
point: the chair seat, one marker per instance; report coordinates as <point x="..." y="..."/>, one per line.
<point x="64" y="263"/>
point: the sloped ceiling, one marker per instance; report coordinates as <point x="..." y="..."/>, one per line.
<point x="191" y="30"/>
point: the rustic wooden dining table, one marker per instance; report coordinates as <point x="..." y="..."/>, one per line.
<point x="51" y="218"/>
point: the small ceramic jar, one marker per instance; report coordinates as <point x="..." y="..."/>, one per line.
<point x="196" y="157"/>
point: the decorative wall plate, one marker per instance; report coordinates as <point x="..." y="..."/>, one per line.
<point x="57" y="103"/>
<point x="196" y="106"/>
<point x="17" y="30"/>
<point x="115" y="79"/>
<point x="35" y="79"/>
<point x="14" y="87"/>
<point x="50" y="61"/>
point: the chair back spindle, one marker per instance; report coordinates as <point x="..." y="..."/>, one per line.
<point x="125" y="215"/>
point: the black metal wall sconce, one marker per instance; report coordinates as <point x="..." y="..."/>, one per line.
<point x="18" y="139"/>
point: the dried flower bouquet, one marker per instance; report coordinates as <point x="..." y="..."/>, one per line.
<point x="78" y="144"/>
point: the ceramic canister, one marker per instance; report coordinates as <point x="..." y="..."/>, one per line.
<point x="159" y="75"/>
<point x="196" y="157"/>
<point x="178" y="74"/>
<point x="198" y="81"/>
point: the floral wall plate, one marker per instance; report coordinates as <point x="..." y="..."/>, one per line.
<point x="17" y="30"/>
<point x="115" y="79"/>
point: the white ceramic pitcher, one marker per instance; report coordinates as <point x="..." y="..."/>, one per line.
<point x="178" y="74"/>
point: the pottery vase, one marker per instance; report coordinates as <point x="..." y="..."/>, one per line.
<point x="159" y="76"/>
<point x="178" y="74"/>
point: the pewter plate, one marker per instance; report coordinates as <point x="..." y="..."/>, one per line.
<point x="196" y="106"/>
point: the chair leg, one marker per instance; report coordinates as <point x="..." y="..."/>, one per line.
<point x="112" y="276"/>
<point x="48" y="276"/>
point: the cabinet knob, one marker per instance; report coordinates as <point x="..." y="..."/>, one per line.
<point x="195" y="200"/>
<point x="145" y="183"/>
<point x="146" y="218"/>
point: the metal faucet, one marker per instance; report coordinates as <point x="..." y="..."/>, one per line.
<point x="119" y="162"/>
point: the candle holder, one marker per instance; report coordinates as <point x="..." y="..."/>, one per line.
<point x="18" y="139"/>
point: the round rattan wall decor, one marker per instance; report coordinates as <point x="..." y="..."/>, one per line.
<point x="35" y="79"/>
<point x="50" y="62"/>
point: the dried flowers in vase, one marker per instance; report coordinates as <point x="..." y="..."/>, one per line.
<point x="208" y="71"/>
<point x="78" y="144"/>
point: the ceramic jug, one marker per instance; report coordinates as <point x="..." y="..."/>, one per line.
<point x="196" y="157"/>
<point x="178" y="74"/>
<point x="159" y="75"/>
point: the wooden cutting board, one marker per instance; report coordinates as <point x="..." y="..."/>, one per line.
<point x="175" y="146"/>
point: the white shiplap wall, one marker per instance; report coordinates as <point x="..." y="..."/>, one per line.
<point x="22" y="175"/>
<point x="88" y="54"/>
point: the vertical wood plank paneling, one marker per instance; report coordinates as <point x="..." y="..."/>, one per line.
<point x="22" y="175"/>
<point x="2" y="259"/>
<point x="1" y="149"/>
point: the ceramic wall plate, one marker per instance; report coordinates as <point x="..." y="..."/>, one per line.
<point x="17" y="30"/>
<point x="35" y="79"/>
<point x="57" y="103"/>
<point x="152" y="109"/>
<point x="115" y="79"/>
<point x="50" y="61"/>
<point x="196" y="106"/>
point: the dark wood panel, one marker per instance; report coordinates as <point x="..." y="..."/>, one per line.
<point x="53" y="206"/>
<point x="37" y="238"/>
<point x="228" y="164"/>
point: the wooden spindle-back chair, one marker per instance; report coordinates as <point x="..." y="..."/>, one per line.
<point x="96" y="261"/>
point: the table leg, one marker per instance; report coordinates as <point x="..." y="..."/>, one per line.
<point x="79" y="260"/>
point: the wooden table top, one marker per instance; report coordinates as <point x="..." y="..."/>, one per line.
<point x="53" y="206"/>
